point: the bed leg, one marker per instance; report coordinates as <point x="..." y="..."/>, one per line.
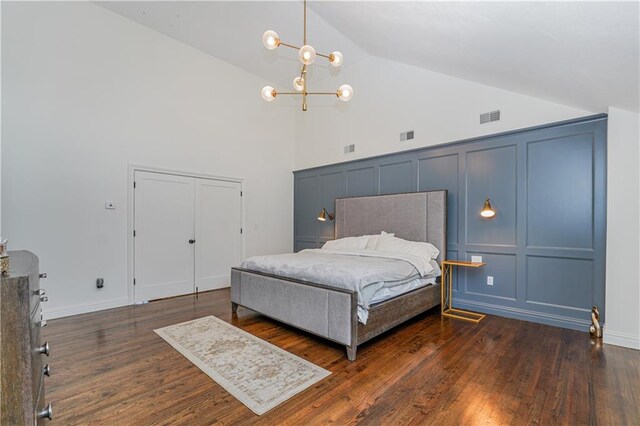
<point x="234" y="307"/>
<point x="351" y="352"/>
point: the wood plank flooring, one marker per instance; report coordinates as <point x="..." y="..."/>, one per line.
<point x="110" y="368"/>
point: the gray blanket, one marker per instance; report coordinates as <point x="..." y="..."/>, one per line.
<point x="365" y="271"/>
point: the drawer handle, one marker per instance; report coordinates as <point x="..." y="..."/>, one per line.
<point x="46" y="370"/>
<point x="46" y="413"/>
<point x="44" y="349"/>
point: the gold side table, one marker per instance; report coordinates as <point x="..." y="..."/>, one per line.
<point x="446" y="293"/>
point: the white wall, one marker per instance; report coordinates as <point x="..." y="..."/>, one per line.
<point x="623" y="229"/>
<point x="390" y="97"/>
<point x="86" y="93"/>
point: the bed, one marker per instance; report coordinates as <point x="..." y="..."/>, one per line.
<point x="332" y="312"/>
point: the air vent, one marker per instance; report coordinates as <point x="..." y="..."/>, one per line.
<point x="405" y="136"/>
<point x="489" y="117"/>
<point x="349" y="148"/>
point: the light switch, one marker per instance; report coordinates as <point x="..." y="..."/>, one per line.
<point x="110" y="205"/>
<point x="489" y="280"/>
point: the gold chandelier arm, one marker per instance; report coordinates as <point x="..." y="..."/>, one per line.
<point x="289" y="93"/>
<point x="282" y="43"/>
<point x="323" y="93"/>
<point x="288" y="45"/>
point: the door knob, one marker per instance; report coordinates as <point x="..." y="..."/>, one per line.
<point x="192" y="241"/>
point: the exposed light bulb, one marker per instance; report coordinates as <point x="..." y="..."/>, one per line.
<point x="307" y="54"/>
<point x="336" y="59"/>
<point x="345" y="92"/>
<point x="298" y="84"/>
<point x="270" y="39"/>
<point x="268" y="93"/>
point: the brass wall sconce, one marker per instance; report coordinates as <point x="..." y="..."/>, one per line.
<point x="487" y="211"/>
<point x="322" y="217"/>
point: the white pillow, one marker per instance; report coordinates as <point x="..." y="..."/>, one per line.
<point x="398" y="245"/>
<point x="348" y="243"/>
<point x="372" y="243"/>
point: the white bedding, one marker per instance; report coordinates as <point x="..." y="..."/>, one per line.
<point x="365" y="271"/>
<point x="386" y="293"/>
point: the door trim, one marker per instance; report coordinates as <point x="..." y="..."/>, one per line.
<point x="131" y="170"/>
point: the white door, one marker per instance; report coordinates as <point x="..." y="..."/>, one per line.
<point x="164" y="224"/>
<point x="218" y="223"/>
<point x="187" y="234"/>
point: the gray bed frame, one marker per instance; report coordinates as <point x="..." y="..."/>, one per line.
<point x="332" y="313"/>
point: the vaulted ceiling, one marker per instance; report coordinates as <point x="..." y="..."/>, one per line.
<point x="582" y="54"/>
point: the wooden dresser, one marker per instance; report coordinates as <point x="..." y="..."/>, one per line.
<point x="22" y="354"/>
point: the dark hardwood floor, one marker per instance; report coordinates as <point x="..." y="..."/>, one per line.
<point x="110" y="368"/>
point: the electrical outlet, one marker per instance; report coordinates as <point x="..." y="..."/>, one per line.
<point x="476" y="259"/>
<point x="99" y="282"/>
<point x="489" y="280"/>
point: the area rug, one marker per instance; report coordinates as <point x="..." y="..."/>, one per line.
<point x="258" y="374"/>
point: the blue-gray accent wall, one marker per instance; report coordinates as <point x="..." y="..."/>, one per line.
<point x="545" y="247"/>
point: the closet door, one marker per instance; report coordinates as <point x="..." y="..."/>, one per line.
<point x="164" y="226"/>
<point x="218" y="221"/>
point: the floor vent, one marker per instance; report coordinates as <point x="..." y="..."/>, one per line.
<point x="489" y="117"/>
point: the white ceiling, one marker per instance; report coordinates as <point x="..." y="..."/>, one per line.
<point x="582" y="54"/>
<point x="232" y="31"/>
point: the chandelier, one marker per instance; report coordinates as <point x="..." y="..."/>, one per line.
<point x="307" y="55"/>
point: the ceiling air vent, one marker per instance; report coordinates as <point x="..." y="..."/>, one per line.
<point x="489" y="117"/>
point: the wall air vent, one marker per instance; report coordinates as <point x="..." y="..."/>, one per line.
<point x="489" y="117"/>
<point x="349" y="148"/>
<point x="405" y="136"/>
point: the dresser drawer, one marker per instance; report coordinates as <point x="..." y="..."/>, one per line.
<point x="22" y="384"/>
<point x="36" y="357"/>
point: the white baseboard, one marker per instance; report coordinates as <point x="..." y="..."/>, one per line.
<point x="83" y="308"/>
<point x="618" y="338"/>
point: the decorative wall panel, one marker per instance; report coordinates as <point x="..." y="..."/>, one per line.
<point x="331" y="187"/>
<point x="396" y="177"/>
<point x="560" y="192"/>
<point x="442" y="173"/>
<point x="545" y="249"/>
<point x="491" y="173"/>
<point x="361" y="182"/>
<point x="561" y="282"/>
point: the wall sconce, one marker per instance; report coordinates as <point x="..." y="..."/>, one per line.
<point x="322" y="217"/>
<point x="487" y="210"/>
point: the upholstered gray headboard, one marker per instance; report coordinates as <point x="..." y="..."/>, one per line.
<point x="416" y="216"/>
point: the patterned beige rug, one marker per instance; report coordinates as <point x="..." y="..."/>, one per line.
<point x="258" y="374"/>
